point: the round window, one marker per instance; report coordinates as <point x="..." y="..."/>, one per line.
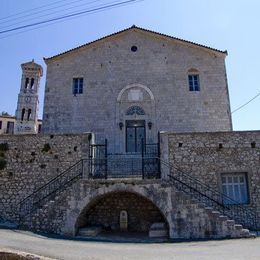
<point x="134" y="48"/>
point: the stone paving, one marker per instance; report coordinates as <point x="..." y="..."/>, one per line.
<point x="57" y="248"/>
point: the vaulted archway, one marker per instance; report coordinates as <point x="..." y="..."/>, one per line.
<point x="104" y="211"/>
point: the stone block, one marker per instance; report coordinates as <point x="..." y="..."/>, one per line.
<point x="89" y="231"/>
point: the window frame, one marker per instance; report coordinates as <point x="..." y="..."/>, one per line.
<point x="232" y="184"/>
<point x="192" y="82"/>
<point x="77" y="86"/>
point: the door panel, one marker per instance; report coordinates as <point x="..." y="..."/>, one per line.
<point x="139" y="137"/>
<point x="135" y="132"/>
<point x="130" y="139"/>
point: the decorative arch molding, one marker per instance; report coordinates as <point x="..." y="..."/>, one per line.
<point x="135" y="110"/>
<point x="193" y="71"/>
<point x="94" y="195"/>
<point x="135" y="86"/>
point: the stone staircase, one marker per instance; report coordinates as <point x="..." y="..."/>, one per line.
<point x="223" y="226"/>
<point x="204" y="194"/>
<point x="39" y="207"/>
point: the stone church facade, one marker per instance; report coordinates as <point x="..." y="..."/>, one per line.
<point x="136" y="79"/>
<point x="137" y="137"/>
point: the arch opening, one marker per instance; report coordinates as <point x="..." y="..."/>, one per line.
<point x="106" y="210"/>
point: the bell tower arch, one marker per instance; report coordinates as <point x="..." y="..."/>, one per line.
<point x="28" y="99"/>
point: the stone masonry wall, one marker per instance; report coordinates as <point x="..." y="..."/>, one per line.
<point x="32" y="160"/>
<point x="207" y="155"/>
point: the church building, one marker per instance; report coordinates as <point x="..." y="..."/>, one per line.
<point x="136" y="138"/>
<point x="130" y="85"/>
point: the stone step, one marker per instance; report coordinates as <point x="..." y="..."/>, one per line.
<point x="158" y="226"/>
<point x="230" y="222"/>
<point x="215" y="213"/>
<point x="223" y="218"/>
<point x="244" y="232"/>
<point x="158" y="233"/>
<point x="89" y="231"/>
<point x="238" y="227"/>
<point x="158" y="229"/>
<point x="253" y="234"/>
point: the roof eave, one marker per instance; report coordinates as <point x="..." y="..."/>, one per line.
<point x="47" y="59"/>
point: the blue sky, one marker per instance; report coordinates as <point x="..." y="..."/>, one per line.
<point x="231" y="25"/>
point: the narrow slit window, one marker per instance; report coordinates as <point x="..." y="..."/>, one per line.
<point x="26" y="83"/>
<point x="23" y="113"/>
<point x="32" y="83"/>
<point x="194" y="83"/>
<point x="77" y="86"/>
<point x="29" y="114"/>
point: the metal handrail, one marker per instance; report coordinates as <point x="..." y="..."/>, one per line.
<point x="52" y="180"/>
<point x="211" y="197"/>
<point x="33" y="201"/>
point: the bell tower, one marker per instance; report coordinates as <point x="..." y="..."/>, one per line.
<point x="28" y="99"/>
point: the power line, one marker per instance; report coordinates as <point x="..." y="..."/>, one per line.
<point x="50" y="13"/>
<point x="26" y="11"/>
<point x="52" y="23"/>
<point x="71" y="15"/>
<point x="246" y="103"/>
<point x="42" y="12"/>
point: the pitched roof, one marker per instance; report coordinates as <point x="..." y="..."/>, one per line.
<point x="141" y="29"/>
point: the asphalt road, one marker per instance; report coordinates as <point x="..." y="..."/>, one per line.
<point x="72" y="249"/>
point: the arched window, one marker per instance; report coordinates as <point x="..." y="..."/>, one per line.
<point x="135" y="110"/>
<point x="32" y="83"/>
<point x="23" y="113"/>
<point x="29" y="114"/>
<point x="26" y="83"/>
<point x="194" y="80"/>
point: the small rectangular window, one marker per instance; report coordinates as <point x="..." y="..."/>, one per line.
<point x="39" y="128"/>
<point x="194" y="83"/>
<point x="0" y="124"/>
<point x="10" y="127"/>
<point x="235" y="188"/>
<point x="77" y="86"/>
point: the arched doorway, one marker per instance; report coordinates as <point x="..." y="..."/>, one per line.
<point x="135" y="114"/>
<point x="115" y="210"/>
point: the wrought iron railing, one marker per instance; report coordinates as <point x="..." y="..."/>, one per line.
<point x="128" y="167"/>
<point x="121" y="166"/>
<point x="210" y="197"/>
<point x="39" y="197"/>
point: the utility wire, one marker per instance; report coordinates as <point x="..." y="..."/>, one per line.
<point x="33" y="14"/>
<point x="26" y="11"/>
<point x="246" y="103"/>
<point x="55" y="22"/>
<point x="71" y="15"/>
<point x="55" y="12"/>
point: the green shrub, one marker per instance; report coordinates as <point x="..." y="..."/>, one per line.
<point x="2" y="163"/>
<point x="2" y="154"/>
<point x="46" y="148"/>
<point x="4" y="147"/>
